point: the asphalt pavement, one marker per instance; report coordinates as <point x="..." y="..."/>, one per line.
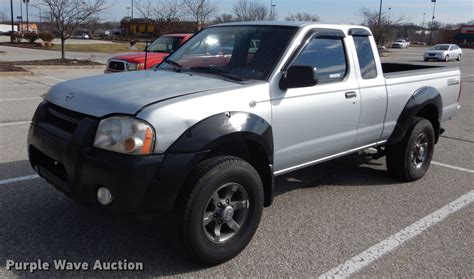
<point x="343" y="215"/>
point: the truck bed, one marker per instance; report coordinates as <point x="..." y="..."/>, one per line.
<point x="402" y="81"/>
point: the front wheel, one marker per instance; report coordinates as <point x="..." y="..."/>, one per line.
<point x="410" y="159"/>
<point x="446" y="59"/>
<point x="221" y="209"/>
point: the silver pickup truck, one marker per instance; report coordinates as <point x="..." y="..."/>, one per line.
<point x="204" y="133"/>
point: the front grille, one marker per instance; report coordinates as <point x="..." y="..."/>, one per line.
<point x="63" y="119"/>
<point x="432" y="54"/>
<point x="116" y="66"/>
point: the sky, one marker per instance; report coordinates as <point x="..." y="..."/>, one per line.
<point x="329" y="11"/>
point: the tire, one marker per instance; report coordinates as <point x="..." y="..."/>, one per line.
<point x="201" y="211"/>
<point x="406" y="160"/>
<point x="459" y="57"/>
<point x="446" y="59"/>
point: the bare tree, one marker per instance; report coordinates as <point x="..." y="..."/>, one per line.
<point x="162" y="11"/>
<point x="68" y="15"/>
<point x="303" y="17"/>
<point x="200" y="10"/>
<point x="223" y="18"/>
<point x="382" y="30"/>
<point x="250" y="10"/>
<point x="3" y="16"/>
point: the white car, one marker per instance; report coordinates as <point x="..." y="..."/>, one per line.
<point x="400" y="44"/>
<point x="84" y="36"/>
<point x="443" y="52"/>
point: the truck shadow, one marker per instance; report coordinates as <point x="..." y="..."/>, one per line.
<point x="39" y="223"/>
<point x="348" y="171"/>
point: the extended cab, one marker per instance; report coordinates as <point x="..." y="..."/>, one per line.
<point x="206" y="137"/>
<point x="156" y="52"/>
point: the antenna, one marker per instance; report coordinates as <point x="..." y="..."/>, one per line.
<point x="146" y="50"/>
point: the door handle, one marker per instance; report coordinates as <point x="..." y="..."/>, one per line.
<point x="351" y="94"/>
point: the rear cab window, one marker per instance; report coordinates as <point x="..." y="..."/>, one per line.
<point x="365" y="55"/>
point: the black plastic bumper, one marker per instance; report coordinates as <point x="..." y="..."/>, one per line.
<point x="141" y="185"/>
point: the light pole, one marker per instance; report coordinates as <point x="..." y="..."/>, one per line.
<point x="27" y="18"/>
<point x="423" y="29"/>
<point x="389" y="12"/>
<point x="132" y="9"/>
<point x="432" y="20"/>
<point x="380" y="21"/>
<point x="271" y="9"/>
<point x="21" y="13"/>
<point x="11" y="18"/>
<point x="128" y="11"/>
<point x="200" y="15"/>
<point x="272" y="12"/>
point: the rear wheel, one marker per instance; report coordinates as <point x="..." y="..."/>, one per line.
<point x="410" y="159"/>
<point x="221" y="210"/>
<point x="459" y="57"/>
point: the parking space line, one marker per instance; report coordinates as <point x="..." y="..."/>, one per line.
<point x="14" y="123"/>
<point x="19" y="99"/>
<point x="17" y="179"/>
<point x="452" y="167"/>
<point x="53" y="78"/>
<point x="375" y="252"/>
<point x="467" y="76"/>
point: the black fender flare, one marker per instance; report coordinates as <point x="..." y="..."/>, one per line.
<point x="200" y="139"/>
<point x="422" y="98"/>
<point x="219" y="128"/>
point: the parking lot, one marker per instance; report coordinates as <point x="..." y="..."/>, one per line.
<point x="347" y="214"/>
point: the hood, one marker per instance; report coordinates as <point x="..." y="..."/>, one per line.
<point x="128" y="92"/>
<point x="139" y="57"/>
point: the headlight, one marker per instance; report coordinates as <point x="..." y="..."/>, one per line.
<point x="125" y="135"/>
<point x="135" y="66"/>
<point x="131" y="66"/>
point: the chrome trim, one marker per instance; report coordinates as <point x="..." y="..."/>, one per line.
<point x="307" y="164"/>
<point x="125" y="65"/>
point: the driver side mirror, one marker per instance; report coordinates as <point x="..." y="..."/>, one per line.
<point x="299" y="76"/>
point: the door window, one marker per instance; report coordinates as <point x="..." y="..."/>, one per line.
<point x="328" y="56"/>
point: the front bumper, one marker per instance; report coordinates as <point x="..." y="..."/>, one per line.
<point x="435" y="57"/>
<point x="140" y="185"/>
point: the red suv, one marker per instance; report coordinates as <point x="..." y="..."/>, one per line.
<point x="157" y="52"/>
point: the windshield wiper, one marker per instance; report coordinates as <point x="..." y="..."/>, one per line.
<point x="173" y="63"/>
<point x="217" y="71"/>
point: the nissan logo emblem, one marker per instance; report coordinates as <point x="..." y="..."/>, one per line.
<point x="69" y="97"/>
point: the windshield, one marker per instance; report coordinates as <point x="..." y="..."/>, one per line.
<point x="440" y="47"/>
<point x="165" y="44"/>
<point x="237" y="52"/>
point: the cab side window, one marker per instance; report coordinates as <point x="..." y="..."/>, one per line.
<point x="328" y="56"/>
<point x="368" y="68"/>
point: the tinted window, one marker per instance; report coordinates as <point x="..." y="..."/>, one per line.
<point x="328" y="56"/>
<point x="165" y="44"/>
<point x="368" y="68"/>
<point x="249" y="52"/>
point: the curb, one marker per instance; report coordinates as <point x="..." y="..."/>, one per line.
<point x="15" y="74"/>
<point x="61" y="67"/>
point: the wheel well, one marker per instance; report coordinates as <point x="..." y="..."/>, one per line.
<point x="255" y="155"/>
<point x="430" y="112"/>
